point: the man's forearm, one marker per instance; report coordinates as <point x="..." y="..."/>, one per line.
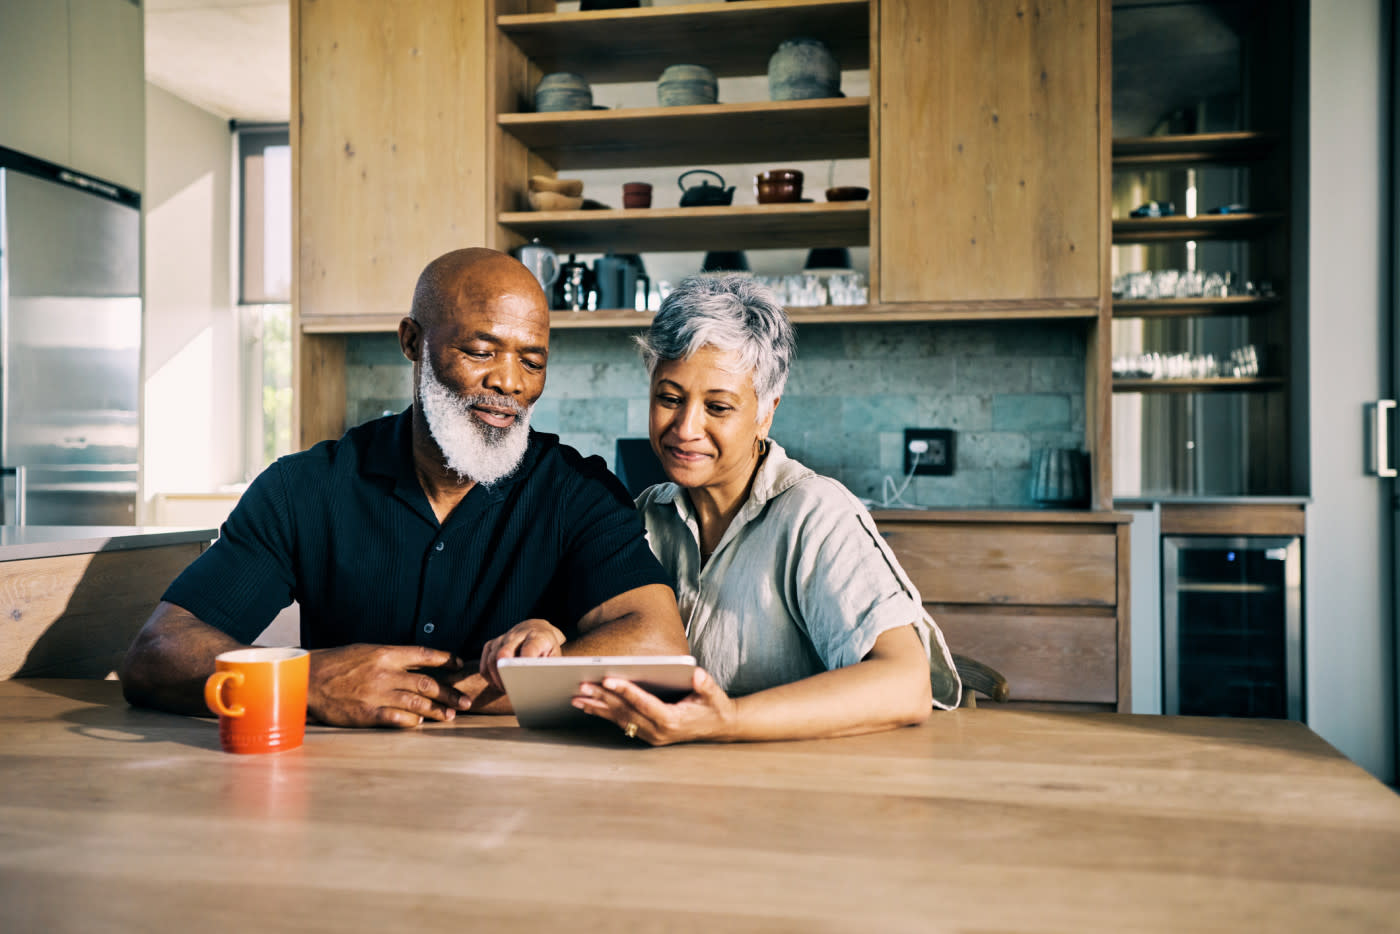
<point x="640" y="622"/>
<point x="170" y="659"/>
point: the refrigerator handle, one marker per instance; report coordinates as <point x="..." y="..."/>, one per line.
<point x="1381" y="412"/>
<point x="21" y="494"/>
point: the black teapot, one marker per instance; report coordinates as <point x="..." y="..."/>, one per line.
<point x="704" y="194"/>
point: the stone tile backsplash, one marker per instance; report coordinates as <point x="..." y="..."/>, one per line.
<point x="1006" y="388"/>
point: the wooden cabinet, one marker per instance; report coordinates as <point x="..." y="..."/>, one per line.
<point x="1200" y="358"/>
<point x="74" y="78"/>
<point x="1040" y="597"/>
<point x="985" y="132"/>
<point x="74" y="615"/>
<point x="637" y="45"/>
<point x="990" y="131"/>
<point x="390" y="158"/>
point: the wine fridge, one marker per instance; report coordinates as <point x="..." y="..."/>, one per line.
<point x="1232" y="626"/>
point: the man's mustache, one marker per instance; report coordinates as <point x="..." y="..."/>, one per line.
<point x="486" y="400"/>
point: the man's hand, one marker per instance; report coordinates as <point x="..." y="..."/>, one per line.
<point x="533" y="638"/>
<point x="383" y="685"/>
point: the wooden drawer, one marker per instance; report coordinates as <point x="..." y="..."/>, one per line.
<point x="1045" y="655"/>
<point x="1039" y="565"/>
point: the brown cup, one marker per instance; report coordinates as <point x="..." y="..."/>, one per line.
<point x="778" y="186"/>
<point x="636" y="195"/>
<point x="260" y="697"/>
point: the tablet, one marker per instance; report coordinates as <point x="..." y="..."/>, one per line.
<point x="540" y="689"/>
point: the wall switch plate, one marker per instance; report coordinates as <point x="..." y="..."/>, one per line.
<point x="938" y="460"/>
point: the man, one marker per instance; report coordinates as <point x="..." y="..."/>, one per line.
<point x="421" y="540"/>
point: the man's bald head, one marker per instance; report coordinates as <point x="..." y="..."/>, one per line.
<point x="472" y="278"/>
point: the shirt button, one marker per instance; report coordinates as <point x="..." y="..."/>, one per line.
<point x="428" y="627"/>
<point x="438" y="547"/>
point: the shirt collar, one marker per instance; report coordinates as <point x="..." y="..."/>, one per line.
<point x="390" y="455"/>
<point x="777" y="473"/>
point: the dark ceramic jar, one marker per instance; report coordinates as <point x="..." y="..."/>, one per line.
<point x="802" y="69"/>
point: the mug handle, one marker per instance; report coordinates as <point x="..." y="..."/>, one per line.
<point x="213" y="693"/>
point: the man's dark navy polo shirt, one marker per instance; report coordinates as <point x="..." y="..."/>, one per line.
<point x="347" y="531"/>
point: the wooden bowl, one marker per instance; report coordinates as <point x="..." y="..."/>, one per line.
<point x="553" y="201"/>
<point x="847" y="193"/>
<point x="572" y="187"/>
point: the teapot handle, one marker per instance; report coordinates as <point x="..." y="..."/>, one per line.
<point x="551" y="271"/>
<point x="681" y="181"/>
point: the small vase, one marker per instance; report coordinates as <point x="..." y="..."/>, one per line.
<point x="802" y="69"/>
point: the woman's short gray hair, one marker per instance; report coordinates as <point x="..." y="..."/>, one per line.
<point x="731" y="313"/>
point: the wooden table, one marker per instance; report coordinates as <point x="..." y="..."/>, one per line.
<point x="115" y="819"/>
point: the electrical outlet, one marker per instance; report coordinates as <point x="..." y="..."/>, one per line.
<point x="936" y="459"/>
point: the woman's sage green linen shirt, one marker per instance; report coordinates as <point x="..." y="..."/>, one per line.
<point x="800" y="583"/>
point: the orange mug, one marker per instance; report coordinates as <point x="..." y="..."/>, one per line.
<point x="260" y="697"/>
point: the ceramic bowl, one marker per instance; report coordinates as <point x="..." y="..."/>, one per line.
<point x="778" y="186"/>
<point x="847" y="193"/>
<point x="563" y="90"/>
<point x="687" y="85"/>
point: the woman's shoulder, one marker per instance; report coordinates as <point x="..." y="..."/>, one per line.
<point x="817" y="501"/>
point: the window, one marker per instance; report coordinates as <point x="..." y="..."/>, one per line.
<point x="265" y="287"/>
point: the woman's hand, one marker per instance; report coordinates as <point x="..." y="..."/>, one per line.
<point x="705" y="713"/>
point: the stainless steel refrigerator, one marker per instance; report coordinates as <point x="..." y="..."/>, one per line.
<point x="70" y="346"/>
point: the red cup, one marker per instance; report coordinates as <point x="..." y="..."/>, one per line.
<point x="636" y="195"/>
<point x="260" y="697"/>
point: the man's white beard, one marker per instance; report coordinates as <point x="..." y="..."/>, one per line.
<point x="472" y="449"/>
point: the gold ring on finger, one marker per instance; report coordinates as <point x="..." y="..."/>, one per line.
<point x="630" y="731"/>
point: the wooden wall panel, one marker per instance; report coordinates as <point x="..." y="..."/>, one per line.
<point x="1008" y="564"/>
<point x="74" y="616"/>
<point x="319" y="377"/>
<point x="989" y="150"/>
<point x="392" y="149"/>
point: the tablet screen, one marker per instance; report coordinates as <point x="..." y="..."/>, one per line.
<point x="540" y="689"/>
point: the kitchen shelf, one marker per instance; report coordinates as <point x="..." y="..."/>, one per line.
<point x="622" y="318"/>
<point x="1200" y="227"/>
<point x="850" y="314"/>
<point x="741" y="227"/>
<point x="737" y="38"/>
<point x="1192" y="149"/>
<point x="782" y="131"/>
<point x="1231" y="306"/>
<point x="1214" y="384"/>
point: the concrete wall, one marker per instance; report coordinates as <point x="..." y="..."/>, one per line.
<point x="193" y="419"/>
<point x="1349" y="616"/>
<point x="1004" y="388"/>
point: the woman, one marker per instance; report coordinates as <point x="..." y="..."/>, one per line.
<point x="801" y="619"/>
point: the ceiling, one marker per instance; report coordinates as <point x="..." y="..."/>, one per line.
<point x="229" y="57"/>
